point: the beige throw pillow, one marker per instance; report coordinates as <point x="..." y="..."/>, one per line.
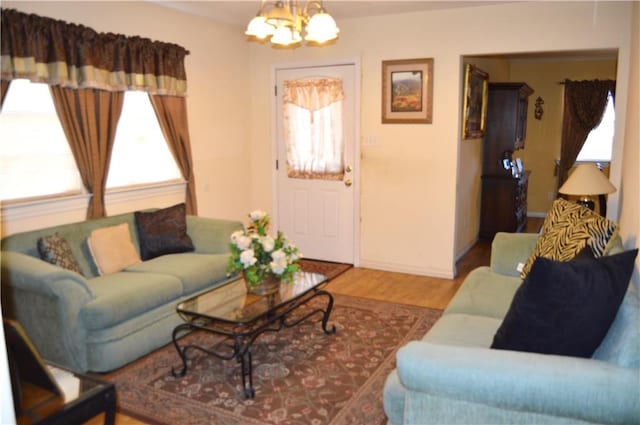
<point x="112" y="249"/>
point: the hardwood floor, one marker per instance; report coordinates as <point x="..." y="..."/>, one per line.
<point x="394" y="287"/>
<point x="417" y="290"/>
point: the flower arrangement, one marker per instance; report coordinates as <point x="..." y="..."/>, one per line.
<point x="258" y="255"/>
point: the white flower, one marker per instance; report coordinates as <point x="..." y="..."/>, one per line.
<point x="254" y="251"/>
<point x="247" y="258"/>
<point x="257" y="215"/>
<point x="243" y="242"/>
<point x="279" y="262"/>
<point x="267" y="243"/>
<point x="235" y="235"/>
<point x="287" y="244"/>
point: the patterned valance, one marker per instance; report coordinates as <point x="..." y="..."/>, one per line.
<point x="313" y="94"/>
<point x="59" y="53"/>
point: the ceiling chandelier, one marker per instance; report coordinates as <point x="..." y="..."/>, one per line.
<point x="282" y="22"/>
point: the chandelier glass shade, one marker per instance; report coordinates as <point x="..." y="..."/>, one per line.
<point x="283" y="22"/>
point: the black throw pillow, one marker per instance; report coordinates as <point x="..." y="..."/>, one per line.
<point x="163" y="232"/>
<point x="566" y="308"/>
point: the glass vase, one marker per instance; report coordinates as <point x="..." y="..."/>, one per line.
<point x="270" y="284"/>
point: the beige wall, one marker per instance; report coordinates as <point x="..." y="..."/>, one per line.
<point x="469" y="190"/>
<point x="218" y="93"/>
<point x="542" y="147"/>
<point x="410" y="176"/>
<point x="409" y="192"/>
<point x="630" y="211"/>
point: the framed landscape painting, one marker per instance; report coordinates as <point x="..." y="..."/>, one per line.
<point x="474" y="109"/>
<point x="407" y="91"/>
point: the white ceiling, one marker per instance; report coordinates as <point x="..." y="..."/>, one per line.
<point x="239" y="12"/>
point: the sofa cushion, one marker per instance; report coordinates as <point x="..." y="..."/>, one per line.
<point x="567" y="229"/>
<point x="112" y="249"/>
<point x="464" y="330"/>
<point x="54" y="249"/>
<point x="621" y="346"/>
<point x="195" y="271"/>
<point x="484" y="293"/>
<point x="566" y="308"/>
<point x="163" y="232"/>
<point x="123" y="295"/>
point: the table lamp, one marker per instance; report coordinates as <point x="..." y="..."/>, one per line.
<point x="587" y="181"/>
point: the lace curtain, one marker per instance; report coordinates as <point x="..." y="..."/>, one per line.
<point x="313" y="128"/>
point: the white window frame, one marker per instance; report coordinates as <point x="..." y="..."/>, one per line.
<point x="82" y="191"/>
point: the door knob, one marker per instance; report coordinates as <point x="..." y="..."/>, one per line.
<point x="348" y="168"/>
<point x="348" y="182"/>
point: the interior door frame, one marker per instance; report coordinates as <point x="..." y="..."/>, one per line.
<point x="356" y="148"/>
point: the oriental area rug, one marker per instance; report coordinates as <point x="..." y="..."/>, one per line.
<point x="301" y="375"/>
<point x="327" y="268"/>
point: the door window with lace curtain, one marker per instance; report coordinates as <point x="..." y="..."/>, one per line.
<point x="313" y="128"/>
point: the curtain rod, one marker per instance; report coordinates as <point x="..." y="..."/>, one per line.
<point x="563" y="82"/>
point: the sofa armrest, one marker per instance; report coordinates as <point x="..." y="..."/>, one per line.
<point x="211" y="235"/>
<point x="46" y="301"/>
<point x="586" y="389"/>
<point x="510" y="249"/>
<point x="27" y="272"/>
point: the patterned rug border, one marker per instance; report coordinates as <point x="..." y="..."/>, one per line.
<point x="329" y="268"/>
<point x="425" y="318"/>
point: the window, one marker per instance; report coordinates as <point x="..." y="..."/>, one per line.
<point x="140" y="153"/>
<point x="599" y="143"/>
<point x="36" y="160"/>
<point x="313" y="128"/>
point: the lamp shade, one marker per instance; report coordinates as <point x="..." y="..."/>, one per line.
<point x="587" y="179"/>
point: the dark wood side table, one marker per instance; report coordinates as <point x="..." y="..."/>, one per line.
<point x="93" y="397"/>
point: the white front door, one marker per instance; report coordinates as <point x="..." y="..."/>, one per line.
<point x="316" y="213"/>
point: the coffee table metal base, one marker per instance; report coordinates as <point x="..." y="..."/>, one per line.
<point x="244" y="336"/>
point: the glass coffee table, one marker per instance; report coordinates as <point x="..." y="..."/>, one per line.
<point x="230" y="311"/>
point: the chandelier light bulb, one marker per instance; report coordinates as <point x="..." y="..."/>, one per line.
<point x="282" y="22"/>
<point x="259" y="28"/>
<point x="285" y="36"/>
<point x="280" y="14"/>
<point x="321" y="28"/>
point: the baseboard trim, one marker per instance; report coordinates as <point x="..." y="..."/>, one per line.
<point x="466" y="249"/>
<point x="408" y="269"/>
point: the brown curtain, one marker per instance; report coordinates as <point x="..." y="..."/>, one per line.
<point x="584" y="104"/>
<point x="172" y="116"/>
<point x="89" y="118"/>
<point x="88" y="73"/>
<point x="55" y="52"/>
<point x="4" y="88"/>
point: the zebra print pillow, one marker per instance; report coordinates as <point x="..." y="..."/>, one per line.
<point x="567" y="229"/>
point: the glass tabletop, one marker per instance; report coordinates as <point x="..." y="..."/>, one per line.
<point x="74" y="385"/>
<point x="231" y="303"/>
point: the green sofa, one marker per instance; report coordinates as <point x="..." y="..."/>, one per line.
<point x="451" y="376"/>
<point x="99" y="323"/>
